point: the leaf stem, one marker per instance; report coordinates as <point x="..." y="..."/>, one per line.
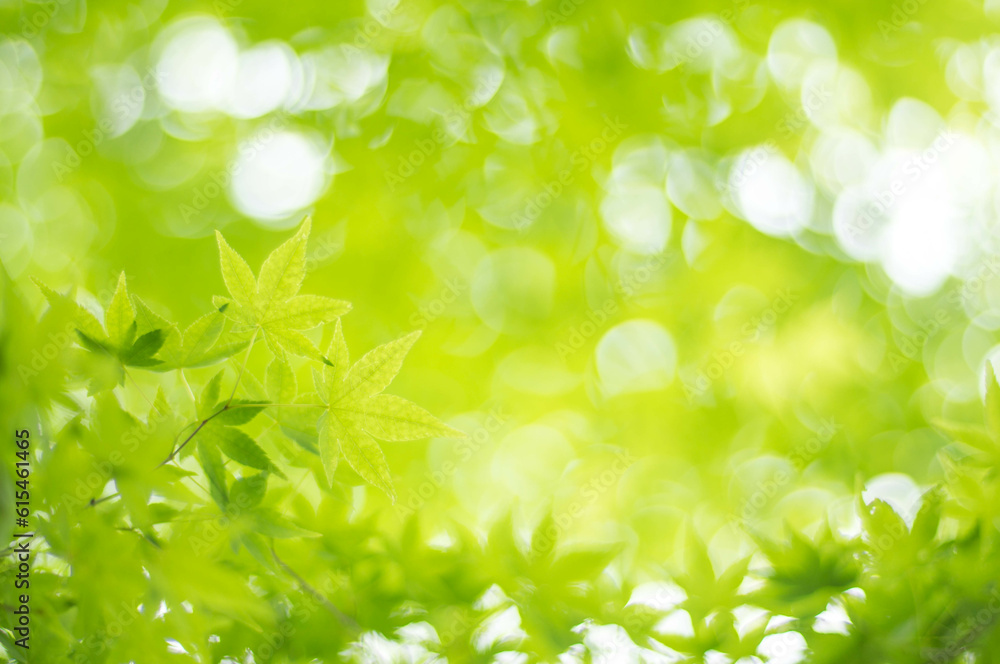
<point x="97" y="501"/>
<point x="228" y="405"/>
<point x="345" y="619"/>
<point x="139" y="389"/>
<point x="246" y="359"/>
<point x="211" y="417"/>
<point x="276" y="405"/>
<point x="187" y="440"/>
<point x="187" y="386"/>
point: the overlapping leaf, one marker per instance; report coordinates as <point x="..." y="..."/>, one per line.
<point x="220" y="432"/>
<point x="203" y="342"/>
<point x="121" y="336"/>
<point x="357" y="412"/>
<point x="239" y="447"/>
<point x="270" y="303"/>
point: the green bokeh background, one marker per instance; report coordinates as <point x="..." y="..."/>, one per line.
<point x="515" y="319"/>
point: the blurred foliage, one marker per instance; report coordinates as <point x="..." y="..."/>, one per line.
<point x="706" y="294"/>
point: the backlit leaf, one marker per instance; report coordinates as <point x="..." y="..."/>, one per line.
<point x="282" y="273"/>
<point x="393" y="418"/>
<point x="329" y="446"/>
<point x="211" y="463"/>
<point x="240" y="447"/>
<point x="236" y="274"/>
<point x="239" y="412"/>
<point x="303" y="312"/>
<point x="140" y="354"/>
<point x="247" y="492"/>
<point x="210" y="395"/>
<point x="373" y="372"/>
<point x="119" y="319"/>
<point x="361" y="452"/>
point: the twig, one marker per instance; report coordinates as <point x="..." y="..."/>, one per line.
<point x="188" y="439"/>
<point x="184" y="380"/>
<point x="138" y="389"/>
<point x="98" y="501"/>
<point x="345" y="619"/>
<point x="246" y="359"/>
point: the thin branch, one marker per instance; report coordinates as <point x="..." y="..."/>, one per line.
<point x="138" y="389"/>
<point x="201" y="425"/>
<point x="212" y="417"/>
<point x="246" y="359"/>
<point x="345" y="619"/>
<point x="188" y="439"/>
<point x="229" y="405"/>
<point x="98" y="501"/>
<point x="276" y="405"/>
<point x="184" y="380"/>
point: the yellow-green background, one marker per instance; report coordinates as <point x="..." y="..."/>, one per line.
<point x="397" y="250"/>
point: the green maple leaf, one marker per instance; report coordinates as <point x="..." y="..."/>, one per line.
<point x="220" y="433"/>
<point x="201" y="344"/>
<point x="297" y="423"/>
<point x="247" y="492"/>
<point x="357" y="412"/>
<point x="270" y="303"/>
<point x="211" y="462"/>
<point x="122" y="336"/>
<point x="239" y="447"/>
